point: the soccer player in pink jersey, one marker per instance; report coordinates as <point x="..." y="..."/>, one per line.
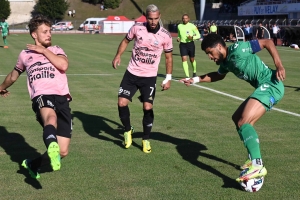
<point x="48" y="89"/>
<point x="151" y="40"/>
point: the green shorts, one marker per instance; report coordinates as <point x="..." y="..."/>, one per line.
<point x="4" y="34"/>
<point x="269" y="93"/>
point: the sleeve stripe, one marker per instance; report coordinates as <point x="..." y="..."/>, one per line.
<point x="18" y="69"/>
<point x="128" y="38"/>
<point x="168" y="50"/>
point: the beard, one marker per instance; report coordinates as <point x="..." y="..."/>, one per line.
<point x="220" y="59"/>
<point x="46" y="44"/>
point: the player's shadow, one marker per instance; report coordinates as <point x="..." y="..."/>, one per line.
<point x="18" y="149"/>
<point x="296" y="88"/>
<point x="193" y="152"/>
<point x="95" y="125"/>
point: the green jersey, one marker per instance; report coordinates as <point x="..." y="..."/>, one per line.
<point x="245" y="64"/>
<point x="4" y="26"/>
<point x="188" y="29"/>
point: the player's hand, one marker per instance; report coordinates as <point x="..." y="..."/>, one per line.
<point x="178" y="39"/>
<point x="187" y="81"/>
<point x="116" y="62"/>
<point x="190" y="37"/>
<point x="165" y="85"/>
<point x="36" y="48"/>
<point x="280" y="73"/>
<point x="4" y="93"/>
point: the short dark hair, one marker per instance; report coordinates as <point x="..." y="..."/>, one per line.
<point x="185" y="15"/>
<point x="36" y="21"/>
<point x="211" y="41"/>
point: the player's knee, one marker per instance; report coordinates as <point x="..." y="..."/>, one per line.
<point x="64" y="153"/>
<point x="122" y="102"/>
<point x="147" y="107"/>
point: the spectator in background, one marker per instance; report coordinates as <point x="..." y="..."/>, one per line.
<point x="69" y="13"/>
<point x="247" y="32"/>
<point x="208" y="27"/>
<point x="260" y="32"/>
<point x="73" y="13"/>
<point x="213" y="28"/>
<point x="205" y="32"/>
<point x="251" y="32"/>
<point x="275" y="31"/>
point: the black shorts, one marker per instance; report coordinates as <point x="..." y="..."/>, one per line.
<point x="187" y="49"/>
<point x="131" y="83"/>
<point x="60" y="105"/>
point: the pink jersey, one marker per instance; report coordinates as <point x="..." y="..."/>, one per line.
<point x="147" y="49"/>
<point x="42" y="76"/>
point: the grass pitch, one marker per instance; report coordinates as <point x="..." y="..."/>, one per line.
<point x="195" y="148"/>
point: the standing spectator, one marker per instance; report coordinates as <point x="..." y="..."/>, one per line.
<point x="73" y="13"/>
<point x="247" y="32"/>
<point x="208" y="26"/>
<point x="150" y="40"/>
<point x="260" y="32"/>
<point x="213" y="28"/>
<point x="47" y="84"/>
<point x="5" y="32"/>
<point x="275" y="31"/>
<point x="70" y="13"/>
<point x="205" y="32"/>
<point x="251" y="32"/>
<point x="187" y="33"/>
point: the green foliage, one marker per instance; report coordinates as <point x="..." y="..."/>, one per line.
<point x="53" y="9"/>
<point x="4" y="9"/>
<point x="111" y="4"/>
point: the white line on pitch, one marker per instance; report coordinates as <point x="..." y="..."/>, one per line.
<point x="241" y="99"/>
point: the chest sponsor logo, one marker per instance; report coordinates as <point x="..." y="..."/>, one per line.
<point x="141" y="55"/>
<point x="39" y="71"/>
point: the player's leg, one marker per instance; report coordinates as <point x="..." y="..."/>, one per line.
<point x="191" y="52"/>
<point x="244" y="118"/>
<point x="64" y="125"/>
<point x="44" y="107"/>
<point x="126" y="92"/>
<point x="147" y="89"/>
<point x="184" y="54"/>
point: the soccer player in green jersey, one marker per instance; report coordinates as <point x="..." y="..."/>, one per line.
<point x="5" y="31"/>
<point x="240" y="59"/>
<point x="187" y="33"/>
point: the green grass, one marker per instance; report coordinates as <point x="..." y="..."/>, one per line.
<point x="195" y="148"/>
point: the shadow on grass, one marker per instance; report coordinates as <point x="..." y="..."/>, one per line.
<point x="94" y="125"/>
<point x="296" y="88"/>
<point x="192" y="151"/>
<point x="18" y="149"/>
<point x="189" y="150"/>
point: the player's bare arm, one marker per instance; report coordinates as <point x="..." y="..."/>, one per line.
<point x="166" y="84"/>
<point x="122" y="47"/>
<point x="269" y="45"/>
<point x="210" y="77"/>
<point x="8" y="81"/>
<point x="59" y="61"/>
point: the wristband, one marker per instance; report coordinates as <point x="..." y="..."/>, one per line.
<point x="168" y="78"/>
<point x="196" y="79"/>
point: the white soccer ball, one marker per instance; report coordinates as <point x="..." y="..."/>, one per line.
<point x="252" y="185"/>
